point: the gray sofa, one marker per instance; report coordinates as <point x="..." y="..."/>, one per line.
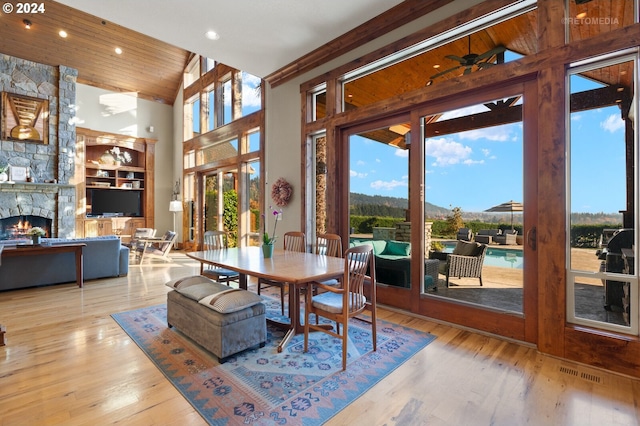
<point x="103" y="257"/>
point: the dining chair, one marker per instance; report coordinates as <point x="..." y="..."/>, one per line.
<point x="329" y="245"/>
<point x="217" y="240"/>
<point x="293" y="241"/>
<point x="340" y="304"/>
<point x="139" y="234"/>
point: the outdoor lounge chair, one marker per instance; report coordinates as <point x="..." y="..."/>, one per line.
<point x="487" y="236"/>
<point x="465" y="262"/>
<point x="464" y="234"/>
<point x="507" y="238"/>
<point x="158" y="248"/>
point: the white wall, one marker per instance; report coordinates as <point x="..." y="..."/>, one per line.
<point x="123" y="113"/>
<point x="283" y="153"/>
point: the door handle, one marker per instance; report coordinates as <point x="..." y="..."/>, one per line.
<point x="532" y="238"/>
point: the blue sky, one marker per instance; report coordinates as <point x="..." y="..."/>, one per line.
<point x="478" y="169"/>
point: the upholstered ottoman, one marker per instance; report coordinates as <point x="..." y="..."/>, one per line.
<point x="221" y="319"/>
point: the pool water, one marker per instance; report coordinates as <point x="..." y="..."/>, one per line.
<point x="503" y="258"/>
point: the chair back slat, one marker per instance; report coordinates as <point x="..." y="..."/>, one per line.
<point x="295" y="241"/>
<point x="357" y="260"/>
<point x="329" y="245"/>
<point x="214" y="240"/>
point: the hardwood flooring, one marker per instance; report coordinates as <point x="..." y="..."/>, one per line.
<point x="67" y="362"/>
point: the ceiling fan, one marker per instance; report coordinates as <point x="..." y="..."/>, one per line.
<point x="470" y="60"/>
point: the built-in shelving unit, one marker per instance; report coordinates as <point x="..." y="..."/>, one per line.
<point x="113" y="162"/>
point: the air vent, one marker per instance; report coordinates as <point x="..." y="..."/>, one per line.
<point x="584" y="376"/>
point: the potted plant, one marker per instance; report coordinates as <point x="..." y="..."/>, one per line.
<point x="268" y="241"/>
<point x="36" y="234"/>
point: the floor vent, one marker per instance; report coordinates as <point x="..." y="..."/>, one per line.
<point x="590" y="377"/>
<point x="569" y="371"/>
<point x="585" y="376"/>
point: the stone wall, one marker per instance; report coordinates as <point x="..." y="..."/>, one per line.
<point x="47" y="162"/>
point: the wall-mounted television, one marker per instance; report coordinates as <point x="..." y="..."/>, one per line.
<point x="116" y="202"/>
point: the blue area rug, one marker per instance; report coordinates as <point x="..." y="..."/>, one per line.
<point x="263" y="387"/>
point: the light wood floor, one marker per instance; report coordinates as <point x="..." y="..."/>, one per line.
<point x="68" y="363"/>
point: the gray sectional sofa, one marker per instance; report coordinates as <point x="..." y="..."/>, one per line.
<point x="103" y="257"/>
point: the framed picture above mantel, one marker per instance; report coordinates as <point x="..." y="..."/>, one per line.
<point x="24" y="118"/>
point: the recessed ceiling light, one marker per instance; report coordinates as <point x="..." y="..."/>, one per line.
<point x="27" y="24"/>
<point x="212" y="35"/>
<point x="62" y="33"/>
<point x="581" y="15"/>
<point x="436" y="66"/>
<point x="118" y="51"/>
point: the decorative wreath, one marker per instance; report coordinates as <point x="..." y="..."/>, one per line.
<point x="281" y="192"/>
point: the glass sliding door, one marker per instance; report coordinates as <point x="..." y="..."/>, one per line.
<point x="474" y="195"/>
<point x="602" y="284"/>
<point x="221" y="204"/>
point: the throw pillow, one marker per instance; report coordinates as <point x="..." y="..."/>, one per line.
<point x="184" y="282"/>
<point x="397" y="248"/>
<point x="231" y="300"/>
<point x="464" y="248"/>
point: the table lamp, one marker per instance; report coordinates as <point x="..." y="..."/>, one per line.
<point x="174" y="207"/>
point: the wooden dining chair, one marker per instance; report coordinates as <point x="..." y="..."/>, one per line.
<point x="217" y="240"/>
<point x="293" y="241"/>
<point x="347" y="301"/>
<point x="329" y="245"/>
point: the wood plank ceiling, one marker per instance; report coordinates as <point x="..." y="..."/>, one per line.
<point x="147" y="67"/>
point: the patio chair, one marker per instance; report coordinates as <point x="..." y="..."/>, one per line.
<point x="464" y="234"/>
<point x="507" y="238"/>
<point x="158" y="248"/>
<point x="217" y="240"/>
<point x="465" y="262"/>
<point x="487" y="236"/>
<point x="346" y="302"/>
<point x="293" y="241"/>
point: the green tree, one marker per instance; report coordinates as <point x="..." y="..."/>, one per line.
<point x="454" y="221"/>
<point x="230" y="216"/>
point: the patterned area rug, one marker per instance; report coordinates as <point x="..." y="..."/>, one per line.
<point x="263" y="387"/>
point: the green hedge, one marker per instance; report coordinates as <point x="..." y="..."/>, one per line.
<point x="582" y="236"/>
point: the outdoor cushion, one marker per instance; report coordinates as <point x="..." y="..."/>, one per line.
<point x="397" y="248"/>
<point x="199" y="291"/>
<point x="378" y="245"/>
<point x="230" y="300"/>
<point x="464" y="248"/>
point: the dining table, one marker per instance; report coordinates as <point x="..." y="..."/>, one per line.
<point x="294" y="268"/>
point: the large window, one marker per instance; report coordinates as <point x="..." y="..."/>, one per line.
<point x="602" y="282"/>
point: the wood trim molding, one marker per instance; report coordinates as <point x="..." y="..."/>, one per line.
<point x="393" y="18"/>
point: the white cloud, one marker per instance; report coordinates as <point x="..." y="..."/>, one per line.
<point x="402" y="153"/>
<point x="495" y="133"/>
<point x="354" y="174"/>
<point x="378" y="160"/>
<point x="390" y="185"/>
<point x="447" y="152"/>
<point x="613" y="123"/>
<point x="360" y="163"/>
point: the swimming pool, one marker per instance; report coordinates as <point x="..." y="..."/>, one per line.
<point x="500" y="257"/>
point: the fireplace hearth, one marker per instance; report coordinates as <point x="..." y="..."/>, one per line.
<point x="17" y="227"/>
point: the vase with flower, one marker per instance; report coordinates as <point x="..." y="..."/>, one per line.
<point x="36" y="234"/>
<point x="268" y="241"/>
<point x="119" y="157"/>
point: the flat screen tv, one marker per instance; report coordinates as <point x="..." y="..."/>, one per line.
<point x="116" y="202"/>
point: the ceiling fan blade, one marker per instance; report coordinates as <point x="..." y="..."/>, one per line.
<point x="490" y="53"/>
<point x="456" y="58"/>
<point x="483" y="65"/>
<point x="467" y="70"/>
<point x="444" y="72"/>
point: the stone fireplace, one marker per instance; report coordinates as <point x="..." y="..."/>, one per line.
<point x="18" y="227"/>
<point x="53" y="203"/>
<point x="50" y="194"/>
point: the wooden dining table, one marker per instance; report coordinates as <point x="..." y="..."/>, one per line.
<point x="295" y="268"/>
